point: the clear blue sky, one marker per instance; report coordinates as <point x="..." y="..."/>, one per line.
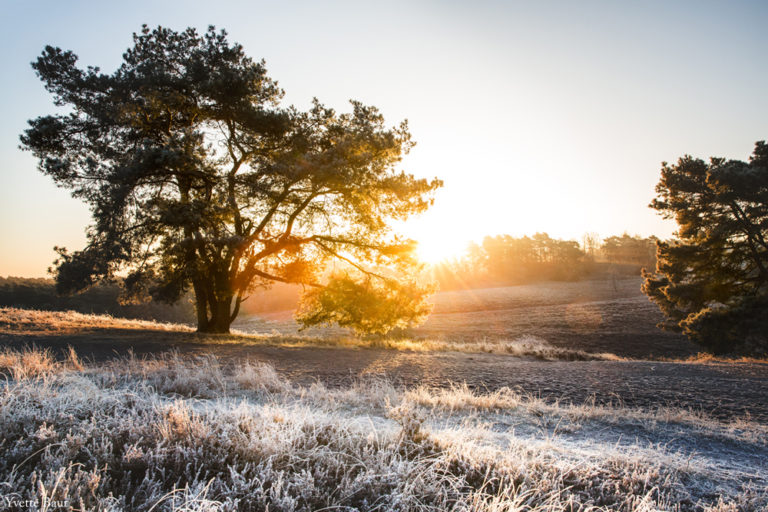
<point x="539" y="116"/>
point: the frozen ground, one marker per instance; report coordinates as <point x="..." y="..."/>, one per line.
<point x="281" y="423"/>
<point x="190" y="433"/>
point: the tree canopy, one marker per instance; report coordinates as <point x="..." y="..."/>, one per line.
<point x="711" y="281"/>
<point x="199" y="180"/>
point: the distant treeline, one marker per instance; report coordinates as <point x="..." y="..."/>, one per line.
<point x="499" y="261"/>
<point x="506" y="260"/>
<point x="40" y="293"/>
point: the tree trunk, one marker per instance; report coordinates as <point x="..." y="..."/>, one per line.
<point x="201" y="307"/>
<point x="221" y="317"/>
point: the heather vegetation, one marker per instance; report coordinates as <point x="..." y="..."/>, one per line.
<point x="169" y="433"/>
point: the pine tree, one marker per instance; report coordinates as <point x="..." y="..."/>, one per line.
<point x="198" y="179"/>
<point x="711" y="282"/>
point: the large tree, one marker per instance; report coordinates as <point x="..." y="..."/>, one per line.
<point x="199" y="180"/>
<point x="711" y="281"/>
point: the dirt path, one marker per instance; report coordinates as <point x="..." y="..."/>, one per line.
<point x="725" y="390"/>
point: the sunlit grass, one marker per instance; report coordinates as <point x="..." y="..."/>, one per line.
<point x="32" y="322"/>
<point x="704" y="357"/>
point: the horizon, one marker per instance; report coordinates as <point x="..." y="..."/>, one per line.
<point x="538" y="118"/>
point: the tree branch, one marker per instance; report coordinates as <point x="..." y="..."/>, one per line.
<point x="350" y="261"/>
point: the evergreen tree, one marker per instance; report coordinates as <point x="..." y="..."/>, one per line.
<point x="711" y="282"/>
<point x="199" y="180"/>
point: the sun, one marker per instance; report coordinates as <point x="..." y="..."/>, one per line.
<point x="436" y="249"/>
<point x="441" y="235"/>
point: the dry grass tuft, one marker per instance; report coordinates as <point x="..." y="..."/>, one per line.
<point x="524" y="346"/>
<point x="260" y="376"/>
<point x="26" y="364"/>
<point x="179" y="434"/>
<point x="703" y="357"/>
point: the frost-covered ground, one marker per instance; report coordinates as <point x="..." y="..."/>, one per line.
<point x="187" y="433"/>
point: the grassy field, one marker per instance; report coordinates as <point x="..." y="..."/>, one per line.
<point x="157" y="417"/>
<point x="600" y="319"/>
<point x="191" y="434"/>
<point x="597" y="316"/>
<point x="29" y="322"/>
<point x="586" y="320"/>
<point x="104" y="333"/>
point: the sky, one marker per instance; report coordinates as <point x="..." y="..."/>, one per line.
<point x="538" y="116"/>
